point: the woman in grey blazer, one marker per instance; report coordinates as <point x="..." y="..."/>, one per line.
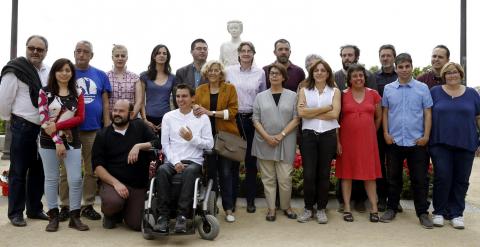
<point x="275" y="120"/>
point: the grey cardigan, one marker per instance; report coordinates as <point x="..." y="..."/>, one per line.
<point x="274" y="119"/>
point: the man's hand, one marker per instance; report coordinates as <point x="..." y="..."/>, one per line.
<point x="186" y="133"/>
<point x="121" y="190"/>
<point x="179" y="167"/>
<point x="133" y="154"/>
<point x="422" y="141"/>
<point x="388" y="138"/>
<point x="61" y="151"/>
<point x="49" y="128"/>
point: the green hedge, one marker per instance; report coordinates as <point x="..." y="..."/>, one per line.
<point x="2" y="127"/>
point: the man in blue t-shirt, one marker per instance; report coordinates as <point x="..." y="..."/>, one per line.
<point x="95" y="87"/>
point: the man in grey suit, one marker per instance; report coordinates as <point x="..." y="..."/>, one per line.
<point x="190" y="74"/>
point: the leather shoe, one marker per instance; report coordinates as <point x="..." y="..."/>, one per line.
<point x="290" y="214"/>
<point x="270" y="217"/>
<point x="39" y="216"/>
<point x="251" y="208"/>
<point x="18" y="221"/>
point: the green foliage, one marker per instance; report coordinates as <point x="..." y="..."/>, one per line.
<point x="418" y="71"/>
<point x="374" y="69"/>
<point x="2" y="127"/>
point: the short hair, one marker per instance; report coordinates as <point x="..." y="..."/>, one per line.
<point x="282" y="70"/>
<point x="330" y="79"/>
<point x="87" y="43"/>
<point x="311" y="57"/>
<point x="388" y="47"/>
<point x="354" y="68"/>
<point x="354" y="47"/>
<point x="250" y="44"/>
<point x="240" y="23"/>
<point x="192" y="46"/>
<point x="190" y="89"/>
<point x="130" y="104"/>
<point x="283" y="41"/>
<point x="403" y="57"/>
<point x="38" y="37"/>
<point x="119" y="47"/>
<point x="447" y="51"/>
<point x="449" y="64"/>
<point x="206" y="67"/>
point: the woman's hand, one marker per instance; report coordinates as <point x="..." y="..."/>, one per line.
<point x="49" y="127"/>
<point x="339" y="149"/>
<point x="388" y="138"/>
<point x="199" y="110"/>
<point x="272" y="141"/>
<point x="61" y="151"/>
<point x="152" y="126"/>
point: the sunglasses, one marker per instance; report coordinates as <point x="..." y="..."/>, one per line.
<point x="33" y="49"/>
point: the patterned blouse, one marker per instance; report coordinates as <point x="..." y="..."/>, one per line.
<point x="122" y="88"/>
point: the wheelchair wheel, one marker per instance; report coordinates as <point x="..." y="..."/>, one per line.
<point x="210" y="229"/>
<point x="212" y="204"/>
<point x="147" y="222"/>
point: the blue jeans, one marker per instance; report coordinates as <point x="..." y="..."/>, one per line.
<point x="51" y="167"/>
<point x="26" y="171"/>
<point x="229" y="176"/>
<point x="452" y="168"/>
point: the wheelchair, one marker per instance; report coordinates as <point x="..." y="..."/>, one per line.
<point x="204" y="208"/>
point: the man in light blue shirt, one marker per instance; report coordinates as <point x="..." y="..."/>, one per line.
<point x="407" y="120"/>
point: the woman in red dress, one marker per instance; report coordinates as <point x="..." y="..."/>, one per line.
<point x="357" y="154"/>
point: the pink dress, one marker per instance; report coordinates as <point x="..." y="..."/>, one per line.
<point x="358" y="137"/>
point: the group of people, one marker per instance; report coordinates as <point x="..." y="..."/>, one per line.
<point x="95" y="124"/>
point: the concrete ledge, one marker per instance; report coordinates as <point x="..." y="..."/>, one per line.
<point x="2" y="141"/>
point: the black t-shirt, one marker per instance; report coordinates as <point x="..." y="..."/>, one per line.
<point x="213" y="107"/>
<point x="111" y="149"/>
<point x="276" y="97"/>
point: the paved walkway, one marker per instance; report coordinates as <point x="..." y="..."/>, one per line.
<point x="252" y="229"/>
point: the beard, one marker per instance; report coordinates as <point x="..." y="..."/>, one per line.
<point x="283" y="59"/>
<point x="120" y="121"/>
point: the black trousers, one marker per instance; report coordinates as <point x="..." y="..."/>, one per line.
<point x="245" y="121"/>
<point x="318" y="151"/>
<point x="416" y="159"/>
<point x="164" y="186"/>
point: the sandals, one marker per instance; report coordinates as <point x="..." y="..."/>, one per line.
<point x="347" y="216"/>
<point x="374" y="217"/>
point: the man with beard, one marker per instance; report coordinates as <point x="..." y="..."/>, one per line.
<point x="123" y="180"/>
<point x="440" y="56"/>
<point x="295" y="73"/>
<point x="21" y="81"/>
<point x="350" y="55"/>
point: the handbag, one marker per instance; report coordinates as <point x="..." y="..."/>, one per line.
<point x="230" y="146"/>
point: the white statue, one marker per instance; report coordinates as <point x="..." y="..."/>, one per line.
<point x="228" y="50"/>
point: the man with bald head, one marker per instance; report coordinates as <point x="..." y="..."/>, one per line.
<point x="96" y="87"/>
<point x="123" y="180"/>
<point x="21" y="81"/>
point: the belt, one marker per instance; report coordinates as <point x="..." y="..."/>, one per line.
<point x="309" y="131"/>
<point x="244" y="115"/>
<point x="22" y="120"/>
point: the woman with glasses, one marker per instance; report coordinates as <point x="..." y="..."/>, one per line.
<point x="275" y="120"/>
<point x="453" y="143"/>
<point x="218" y="99"/>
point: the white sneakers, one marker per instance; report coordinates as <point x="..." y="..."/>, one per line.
<point x="230" y="218"/>
<point x="321" y="216"/>
<point x="458" y="223"/>
<point x="438" y="220"/>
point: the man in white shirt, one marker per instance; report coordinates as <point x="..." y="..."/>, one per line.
<point x="184" y="137"/>
<point x="21" y="81"/>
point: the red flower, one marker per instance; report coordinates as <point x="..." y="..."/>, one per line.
<point x="297" y="163"/>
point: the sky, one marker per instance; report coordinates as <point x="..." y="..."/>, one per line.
<point x="311" y="26"/>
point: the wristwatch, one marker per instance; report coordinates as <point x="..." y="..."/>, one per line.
<point x="213" y="113"/>
<point x="283" y="134"/>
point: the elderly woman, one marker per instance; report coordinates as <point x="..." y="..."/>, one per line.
<point x="158" y="83"/>
<point x="319" y="106"/>
<point x="218" y="100"/>
<point x="125" y="84"/>
<point x="275" y="121"/>
<point x="357" y="149"/>
<point x="453" y="143"/>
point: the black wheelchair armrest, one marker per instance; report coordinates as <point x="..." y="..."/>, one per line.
<point x="208" y="152"/>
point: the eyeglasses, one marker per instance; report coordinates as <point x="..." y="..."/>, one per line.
<point x="453" y="72"/>
<point x="274" y="73"/>
<point x="33" y="49"/>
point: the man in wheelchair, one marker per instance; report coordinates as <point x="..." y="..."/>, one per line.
<point x="183" y="139"/>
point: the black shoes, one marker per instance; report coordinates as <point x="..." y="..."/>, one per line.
<point x="290" y="214"/>
<point x="181" y="224"/>
<point x="18" y="221"/>
<point x="251" y="207"/>
<point x="110" y="222"/>
<point x="75" y="221"/>
<point x="90" y="213"/>
<point x="64" y="214"/>
<point x="162" y="225"/>
<point x="53" y="223"/>
<point x="39" y="216"/>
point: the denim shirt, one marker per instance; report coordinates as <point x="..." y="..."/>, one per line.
<point x="405" y="103"/>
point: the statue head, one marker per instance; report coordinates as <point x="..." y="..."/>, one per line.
<point x="235" y="28"/>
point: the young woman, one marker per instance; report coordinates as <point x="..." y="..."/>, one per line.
<point x="61" y="107"/>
